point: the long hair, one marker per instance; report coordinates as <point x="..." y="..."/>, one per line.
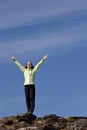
<point x="32" y="67"/>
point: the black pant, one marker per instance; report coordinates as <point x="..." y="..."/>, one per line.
<point x="30" y="97"/>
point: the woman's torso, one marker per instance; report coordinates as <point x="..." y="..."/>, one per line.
<point x="29" y="77"/>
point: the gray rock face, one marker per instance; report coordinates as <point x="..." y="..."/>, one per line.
<point x="48" y="122"/>
<point x="79" y="124"/>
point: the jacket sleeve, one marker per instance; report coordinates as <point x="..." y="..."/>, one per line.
<point x="21" y="67"/>
<point x="38" y="65"/>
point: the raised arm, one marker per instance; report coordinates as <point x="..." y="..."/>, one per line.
<point x="22" y="68"/>
<point x="40" y="63"/>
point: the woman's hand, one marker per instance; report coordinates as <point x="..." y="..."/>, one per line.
<point x="12" y="58"/>
<point x="45" y="57"/>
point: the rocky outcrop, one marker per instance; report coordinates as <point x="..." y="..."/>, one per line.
<point x="48" y="122"/>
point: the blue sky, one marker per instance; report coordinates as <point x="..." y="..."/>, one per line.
<point x="29" y="30"/>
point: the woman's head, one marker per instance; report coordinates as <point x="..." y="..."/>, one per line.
<point x="29" y="65"/>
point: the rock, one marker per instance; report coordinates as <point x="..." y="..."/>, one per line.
<point x="29" y="128"/>
<point x="2" y="128"/>
<point x="47" y="122"/>
<point x="79" y="124"/>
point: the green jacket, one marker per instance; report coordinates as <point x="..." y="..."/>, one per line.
<point x="29" y="74"/>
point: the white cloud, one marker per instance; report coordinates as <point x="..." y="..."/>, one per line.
<point x="21" y="13"/>
<point x="69" y="36"/>
<point x="16" y="14"/>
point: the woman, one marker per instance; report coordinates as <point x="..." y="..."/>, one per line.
<point x="29" y="81"/>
